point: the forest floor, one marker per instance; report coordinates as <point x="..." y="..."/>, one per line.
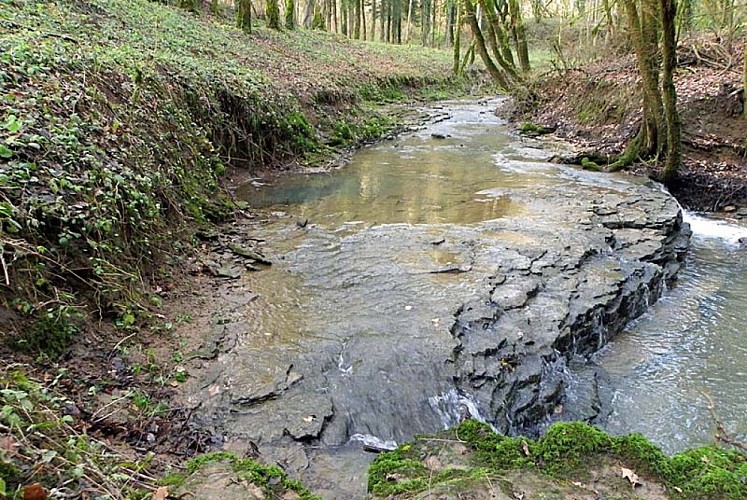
<point x="596" y="107"/>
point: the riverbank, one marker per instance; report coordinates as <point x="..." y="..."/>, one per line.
<point x="122" y="127"/>
<point x="597" y="108"/>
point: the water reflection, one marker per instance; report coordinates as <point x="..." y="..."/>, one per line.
<point x="415" y="180"/>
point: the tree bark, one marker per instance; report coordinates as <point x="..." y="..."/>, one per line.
<point x="273" y="14"/>
<point x="496" y="74"/>
<point x="244" y="16"/>
<point x="668" y="11"/>
<point x="290" y="14"/>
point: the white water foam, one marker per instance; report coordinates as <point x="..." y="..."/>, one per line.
<point x="716" y="229"/>
<point x="452" y="407"/>
<point x="374" y="442"/>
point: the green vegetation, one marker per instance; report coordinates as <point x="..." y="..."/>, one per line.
<point x="270" y="478"/>
<point x="565" y="453"/>
<point x="44" y="443"/>
<point x="118" y="119"/>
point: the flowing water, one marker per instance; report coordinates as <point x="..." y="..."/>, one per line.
<point x="348" y="339"/>
<point x="691" y="347"/>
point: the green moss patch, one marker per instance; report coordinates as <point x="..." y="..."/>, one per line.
<point x="247" y="477"/>
<point x="567" y="458"/>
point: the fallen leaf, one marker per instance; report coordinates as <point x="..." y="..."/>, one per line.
<point x="35" y="492"/>
<point x="161" y="493"/>
<point x="631" y="476"/>
<point x="580" y="485"/>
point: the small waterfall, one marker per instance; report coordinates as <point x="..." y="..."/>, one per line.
<point x="709" y="228"/>
<point x="453" y="407"/>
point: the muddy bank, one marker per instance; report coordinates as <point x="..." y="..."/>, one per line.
<point x="396" y="305"/>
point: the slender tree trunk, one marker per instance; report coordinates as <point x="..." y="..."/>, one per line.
<point x="344" y="16"/>
<point x="373" y="20"/>
<point x="492" y="40"/>
<point x="434" y="22"/>
<point x="273" y="14"/>
<point x="357" y="19"/>
<point x="450" y="20"/>
<point x="290" y="14"/>
<point x="668" y="11"/>
<point x="363" y="19"/>
<point x="410" y="13"/>
<point x="308" y="14"/>
<point x="425" y="21"/>
<point x="457" y="37"/>
<point x="519" y="33"/>
<point x="382" y="20"/>
<point x="495" y="73"/>
<point x="244" y="16"/>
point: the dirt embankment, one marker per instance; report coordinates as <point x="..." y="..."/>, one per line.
<point x="598" y="108"/>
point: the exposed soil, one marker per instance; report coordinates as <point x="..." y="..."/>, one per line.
<point x="597" y="108"/>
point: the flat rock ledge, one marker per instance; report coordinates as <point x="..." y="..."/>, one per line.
<point x="548" y="308"/>
<point x="392" y="330"/>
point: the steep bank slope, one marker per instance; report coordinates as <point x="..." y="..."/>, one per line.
<point x="117" y="121"/>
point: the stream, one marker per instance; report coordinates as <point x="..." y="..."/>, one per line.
<point x="689" y="347"/>
<point x="454" y="271"/>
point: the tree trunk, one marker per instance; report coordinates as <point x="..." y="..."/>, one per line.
<point x="363" y="20"/>
<point x="457" y="37"/>
<point x="496" y="74"/>
<point x="519" y="33"/>
<point x="434" y="22"/>
<point x="357" y="19"/>
<point x="344" y="17"/>
<point x="382" y="20"/>
<point x="668" y="11"/>
<point x="308" y="14"/>
<point x="244" y="16"/>
<point x="373" y="20"/>
<point x="273" y="14"/>
<point x="290" y="14"/>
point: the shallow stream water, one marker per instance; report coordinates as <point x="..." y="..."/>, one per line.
<point x="349" y="336"/>
<point x="688" y="350"/>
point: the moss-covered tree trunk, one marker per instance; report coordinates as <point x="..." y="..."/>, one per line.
<point x="273" y="14"/>
<point x="479" y="39"/>
<point x="652" y="22"/>
<point x="457" y="37"/>
<point x="357" y="19"/>
<point x="668" y="11"/>
<point x="244" y="16"/>
<point x="519" y="34"/>
<point x="744" y="80"/>
<point x="290" y="14"/>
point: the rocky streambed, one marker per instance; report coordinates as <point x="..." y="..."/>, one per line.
<point x="451" y="272"/>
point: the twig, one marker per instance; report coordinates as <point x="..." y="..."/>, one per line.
<point x="5" y="269"/>
<point x="722" y="434"/>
